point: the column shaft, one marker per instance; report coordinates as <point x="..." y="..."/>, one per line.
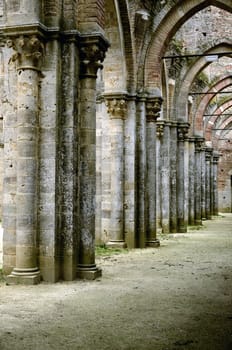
<point x="68" y="163"/>
<point x="141" y="171"/>
<point x="191" y="218"/>
<point x="203" y="184"/>
<point x="173" y="178"/>
<point x="198" y="189"/>
<point x="208" y="183"/>
<point x="28" y="52"/>
<point x="165" y="178"/>
<point x="181" y="177"/>
<point x="152" y="108"/>
<point x="91" y="55"/>
<point x="215" y="183"/>
<point x="117" y="110"/>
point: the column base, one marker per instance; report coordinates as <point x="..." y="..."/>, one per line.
<point x="116" y="244"/>
<point x="198" y="222"/>
<point x="182" y="230"/>
<point x="153" y="243"/>
<point x="23" y="276"/>
<point x="88" y="272"/>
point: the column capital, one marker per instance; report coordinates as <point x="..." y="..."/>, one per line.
<point x="92" y="54"/>
<point x="199" y="141"/>
<point x="153" y="108"/>
<point x="208" y="153"/>
<point x="160" y="128"/>
<point x="216" y="156"/>
<point x="182" y="130"/>
<point x="29" y="51"/>
<point x="116" y="105"/>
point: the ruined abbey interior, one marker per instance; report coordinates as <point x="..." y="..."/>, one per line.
<point x="116" y="126"/>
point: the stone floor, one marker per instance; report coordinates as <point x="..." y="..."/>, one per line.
<point x="178" y="296"/>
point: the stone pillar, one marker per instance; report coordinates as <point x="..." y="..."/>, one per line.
<point x="186" y="181"/>
<point x="159" y="137"/>
<point x="29" y="50"/>
<point x="165" y="178"/>
<point x="117" y="109"/>
<point x="208" y="156"/>
<point x="203" y="177"/>
<point x="130" y="180"/>
<point x="173" y="177"/>
<point x="215" y="182"/>
<point x="198" y="171"/>
<point x="92" y="53"/>
<point x="68" y="161"/>
<point x="191" y="218"/>
<point x="141" y="170"/>
<point x="182" y="130"/>
<point x="153" y="106"/>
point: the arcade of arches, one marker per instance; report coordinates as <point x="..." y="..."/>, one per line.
<point x="116" y="125"/>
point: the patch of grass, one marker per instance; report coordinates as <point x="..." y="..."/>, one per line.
<point x="102" y="250"/>
<point x="196" y="228"/>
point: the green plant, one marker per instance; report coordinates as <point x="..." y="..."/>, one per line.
<point x="102" y="250"/>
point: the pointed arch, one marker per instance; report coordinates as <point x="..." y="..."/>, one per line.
<point x="170" y="22"/>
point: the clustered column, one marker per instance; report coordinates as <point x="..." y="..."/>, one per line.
<point x="153" y="107"/>
<point x="117" y="110"/>
<point x="29" y="51"/>
<point x="92" y="53"/>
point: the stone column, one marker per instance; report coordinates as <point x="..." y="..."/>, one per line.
<point x="29" y="50"/>
<point x="191" y="218"/>
<point x="141" y="171"/>
<point x="68" y="157"/>
<point x="159" y="137"/>
<point x="182" y="130"/>
<point x="203" y="177"/>
<point x="130" y="176"/>
<point x="208" y="156"/>
<point x="215" y="182"/>
<point x="173" y="177"/>
<point x="92" y="53"/>
<point x="153" y="106"/>
<point x="117" y="109"/>
<point x="165" y="178"/>
<point x="198" y="171"/>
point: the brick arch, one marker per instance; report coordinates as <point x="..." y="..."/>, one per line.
<point x="218" y="135"/>
<point x="197" y="124"/>
<point x="215" y="120"/>
<point x="119" y="61"/>
<point x="181" y="100"/>
<point x="167" y="27"/>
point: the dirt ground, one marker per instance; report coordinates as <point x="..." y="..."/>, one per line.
<point x="178" y="296"/>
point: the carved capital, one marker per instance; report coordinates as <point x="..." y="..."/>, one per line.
<point x="92" y="54"/>
<point x="116" y="107"/>
<point x="216" y="157"/>
<point x="198" y="144"/>
<point x="208" y="153"/>
<point x="182" y="131"/>
<point x="29" y="51"/>
<point x="153" y="108"/>
<point x="160" y="128"/>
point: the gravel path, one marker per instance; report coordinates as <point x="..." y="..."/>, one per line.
<point x="178" y="296"/>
